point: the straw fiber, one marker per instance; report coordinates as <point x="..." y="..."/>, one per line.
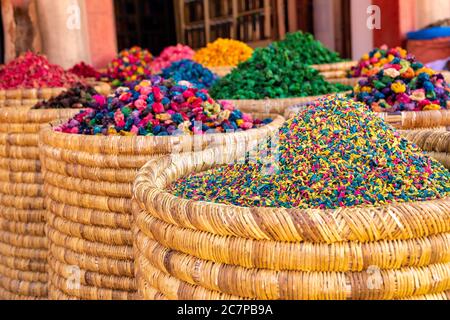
<point x="435" y="143"/>
<point x="23" y="245"/>
<point x="197" y="250"/>
<point x="88" y="187"/>
<point x="274" y="106"/>
<point x="338" y="66"/>
<point x="29" y="97"/>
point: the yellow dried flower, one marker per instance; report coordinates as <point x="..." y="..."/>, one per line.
<point x="223" y="52"/>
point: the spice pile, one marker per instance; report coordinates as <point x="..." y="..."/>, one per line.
<point x="31" y="70"/>
<point x="131" y="65"/>
<point x="404" y="85"/>
<point x="191" y="71"/>
<point x="309" y="50"/>
<point x="223" y="53"/>
<point x="85" y="70"/>
<point x="158" y="107"/>
<point x="373" y="62"/>
<point x="334" y="154"/>
<point x="170" y="55"/>
<point x="79" y="96"/>
<point x="273" y="72"/>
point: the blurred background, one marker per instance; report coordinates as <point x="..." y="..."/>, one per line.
<point x="68" y="31"/>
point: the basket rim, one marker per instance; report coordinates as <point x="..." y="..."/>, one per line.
<point x="396" y="221"/>
<point x="129" y="144"/>
<point x="281" y="100"/>
<point x="337" y="65"/>
<point x="27" y="114"/>
<point x="93" y="84"/>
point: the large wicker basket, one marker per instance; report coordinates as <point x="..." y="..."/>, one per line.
<point x="29" y="97"/>
<point x="198" y="250"/>
<point x="88" y="187"/>
<point x="23" y="246"/>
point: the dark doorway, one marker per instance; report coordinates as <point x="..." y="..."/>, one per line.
<point x="146" y="23"/>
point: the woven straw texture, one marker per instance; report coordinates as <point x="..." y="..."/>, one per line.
<point x="345" y="81"/>
<point x="221" y="71"/>
<point x="88" y="186"/>
<point x="435" y="142"/>
<point x="23" y="246"/>
<point x="29" y="97"/>
<point x="275" y="106"/>
<point x="338" y="66"/>
<point x="197" y="250"/>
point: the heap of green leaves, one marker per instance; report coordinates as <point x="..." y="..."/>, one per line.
<point x="309" y="50"/>
<point x="278" y="71"/>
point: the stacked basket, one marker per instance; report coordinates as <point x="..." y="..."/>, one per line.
<point x="23" y="245"/>
<point x="88" y="186"/>
<point x="26" y="97"/>
<point x="197" y="250"/>
<point x="337" y="72"/>
<point x="29" y="97"/>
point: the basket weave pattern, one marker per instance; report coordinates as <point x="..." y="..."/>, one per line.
<point x="88" y="187"/>
<point x="23" y="245"/>
<point x="29" y="97"/>
<point x="273" y="106"/>
<point x="435" y="143"/>
<point x="197" y="250"/>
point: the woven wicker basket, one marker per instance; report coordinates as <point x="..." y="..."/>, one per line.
<point x="23" y="246"/>
<point x="29" y="97"/>
<point x="221" y="71"/>
<point x="198" y="250"/>
<point x="88" y="187"/>
<point x="435" y="142"/>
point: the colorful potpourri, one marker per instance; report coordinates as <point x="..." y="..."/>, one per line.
<point x="131" y="65"/>
<point x="223" y="53"/>
<point x="170" y="55"/>
<point x="273" y="72"/>
<point x="79" y="96"/>
<point x="30" y="71"/>
<point x="309" y="50"/>
<point x="373" y="62"/>
<point x="404" y="85"/>
<point x="158" y="107"/>
<point x="85" y="70"/>
<point x="191" y="71"/>
<point x="336" y="153"/>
